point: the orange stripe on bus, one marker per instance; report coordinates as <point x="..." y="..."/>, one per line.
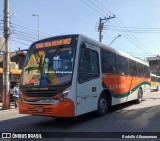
<point x="123" y="84"/>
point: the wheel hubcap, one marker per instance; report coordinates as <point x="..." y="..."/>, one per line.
<point x="102" y="104"/>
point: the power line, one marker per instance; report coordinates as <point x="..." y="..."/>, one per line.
<point x="139" y="28"/>
<point x="129" y="36"/>
<point x="104" y="7"/>
<point x="92" y="7"/>
<point x="26" y="32"/>
<point x="109" y="27"/>
<point x="133" y="31"/>
<point x="19" y="42"/>
<point x="22" y="38"/>
<point x="97" y="7"/>
<point x="30" y="27"/>
<point x="22" y="34"/>
<point x="27" y="28"/>
<point x="135" y="37"/>
<point x="126" y="28"/>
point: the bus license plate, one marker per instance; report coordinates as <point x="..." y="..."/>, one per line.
<point x="39" y="109"/>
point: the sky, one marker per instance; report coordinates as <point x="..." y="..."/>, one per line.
<point x="137" y="21"/>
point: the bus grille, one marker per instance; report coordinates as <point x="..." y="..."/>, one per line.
<point x="41" y="93"/>
<point x="45" y="110"/>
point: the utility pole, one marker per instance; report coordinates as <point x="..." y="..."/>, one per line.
<point x="100" y="28"/>
<point x="6" y="59"/>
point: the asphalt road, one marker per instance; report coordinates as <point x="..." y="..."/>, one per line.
<point x="128" y="117"/>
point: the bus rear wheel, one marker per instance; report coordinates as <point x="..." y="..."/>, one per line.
<point x="103" y="105"/>
<point x="140" y="95"/>
<point x="157" y="88"/>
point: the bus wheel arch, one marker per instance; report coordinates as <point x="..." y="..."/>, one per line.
<point x="139" y="95"/>
<point x="104" y="102"/>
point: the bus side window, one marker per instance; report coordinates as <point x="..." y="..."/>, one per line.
<point x="140" y="70"/>
<point x="146" y="72"/>
<point x="122" y="65"/>
<point x="132" y="68"/>
<point x="108" y="61"/>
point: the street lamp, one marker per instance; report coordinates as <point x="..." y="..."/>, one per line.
<point x="38" y="23"/>
<point x="115" y="39"/>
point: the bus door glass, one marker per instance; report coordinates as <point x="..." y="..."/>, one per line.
<point x="89" y="81"/>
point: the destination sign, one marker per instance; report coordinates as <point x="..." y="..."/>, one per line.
<point x="54" y="43"/>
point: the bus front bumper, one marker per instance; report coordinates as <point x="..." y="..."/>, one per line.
<point x="60" y="109"/>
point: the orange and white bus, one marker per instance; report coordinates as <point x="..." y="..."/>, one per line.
<point x="15" y="77"/>
<point x="155" y="82"/>
<point x="70" y="75"/>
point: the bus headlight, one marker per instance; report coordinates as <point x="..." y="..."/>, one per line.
<point x="20" y="95"/>
<point x="65" y="94"/>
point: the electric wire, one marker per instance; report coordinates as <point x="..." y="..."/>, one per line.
<point x="129" y="36"/>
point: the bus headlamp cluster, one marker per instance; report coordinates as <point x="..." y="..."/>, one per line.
<point x="20" y="95"/>
<point x="65" y="94"/>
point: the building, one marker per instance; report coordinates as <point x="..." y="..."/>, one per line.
<point x="154" y="63"/>
<point x="17" y="57"/>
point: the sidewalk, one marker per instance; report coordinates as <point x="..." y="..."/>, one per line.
<point x="11" y="106"/>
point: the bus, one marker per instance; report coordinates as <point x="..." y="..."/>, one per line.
<point x="70" y="75"/>
<point x="155" y="82"/>
<point x="15" y="77"/>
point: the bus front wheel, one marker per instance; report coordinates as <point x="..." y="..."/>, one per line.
<point x="103" y="105"/>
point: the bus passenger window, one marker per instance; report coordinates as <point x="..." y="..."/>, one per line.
<point x="132" y="68"/>
<point x="146" y="72"/>
<point x="140" y="70"/>
<point x="108" y="61"/>
<point x="122" y="65"/>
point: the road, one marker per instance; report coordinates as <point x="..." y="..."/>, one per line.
<point x="129" y="117"/>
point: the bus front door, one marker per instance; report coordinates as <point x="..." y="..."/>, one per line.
<point x="88" y="84"/>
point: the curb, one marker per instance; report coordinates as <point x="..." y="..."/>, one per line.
<point x="7" y="110"/>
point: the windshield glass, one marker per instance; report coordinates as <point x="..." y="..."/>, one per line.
<point x="53" y="66"/>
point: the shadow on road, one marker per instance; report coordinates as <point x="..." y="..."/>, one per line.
<point x="116" y="120"/>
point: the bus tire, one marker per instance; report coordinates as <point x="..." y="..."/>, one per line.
<point x="140" y="95"/>
<point x="103" y="105"/>
<point x="157" y="88"/>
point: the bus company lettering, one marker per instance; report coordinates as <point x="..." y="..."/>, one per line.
<point x="117" y="86"/>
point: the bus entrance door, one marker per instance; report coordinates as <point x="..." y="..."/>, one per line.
<point x="88" y="84"/>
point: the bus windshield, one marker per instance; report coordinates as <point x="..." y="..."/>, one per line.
<point x="53" y="66"/>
